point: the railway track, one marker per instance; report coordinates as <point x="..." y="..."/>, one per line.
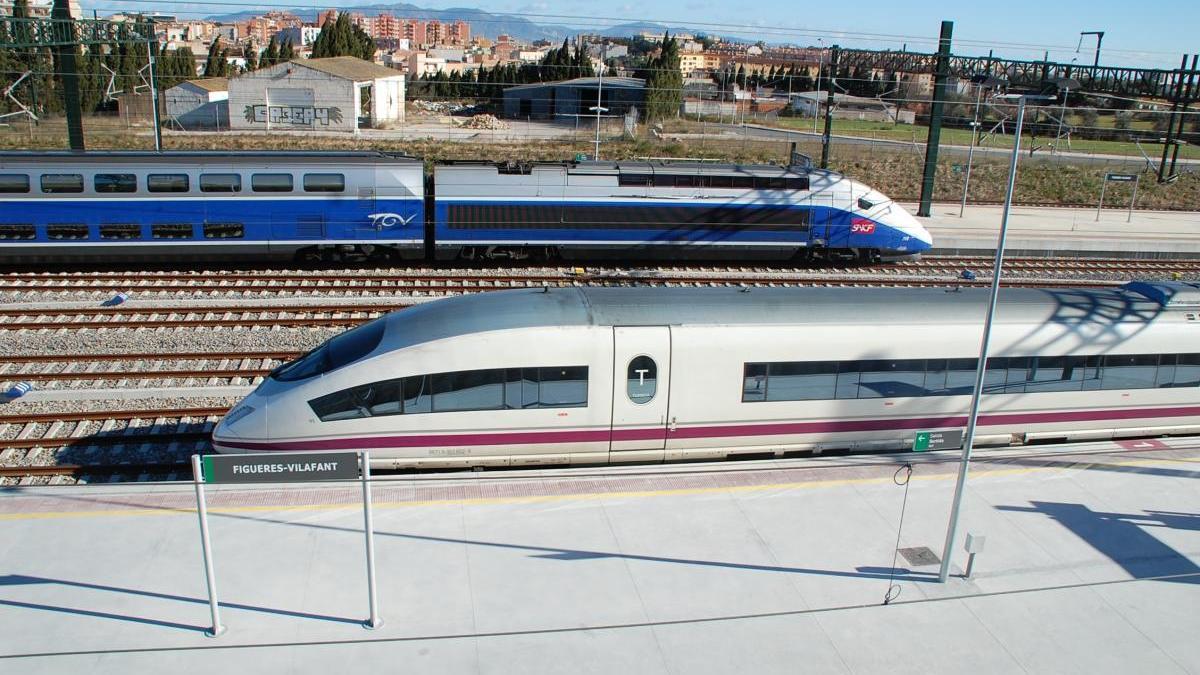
<point x="141" y="369"/>
<point x="439" y="281"/>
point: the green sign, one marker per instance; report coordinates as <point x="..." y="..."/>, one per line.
<point x="937" y="440"/>
<point x="956" y="168"/>
<point x="282" y="467"/>
<point x="580" y="157"/>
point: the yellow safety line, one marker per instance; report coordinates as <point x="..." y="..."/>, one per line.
<point x="534" y="499"/>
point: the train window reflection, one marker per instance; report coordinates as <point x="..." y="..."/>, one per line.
<point x="14" y="182"/>
<point x="271" y="182"/>
<point x="167" y="182"/>
<point x="641" y="379"/>
<point x="324" y="182"/>
<point x="903" y="378"/>
<point x="337" y="352"/>
<point x="220" y="182"/>
<point x="115" y="182"/>
<point x="62" y="182"/>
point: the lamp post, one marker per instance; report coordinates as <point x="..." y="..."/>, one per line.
<point x="981" y="366"/>
<point x="981" y="82"/>
<point x="1065" y="85"/>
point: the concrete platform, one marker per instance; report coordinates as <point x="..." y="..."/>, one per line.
<point x="1064" y="232"/>
<point x="1092" y="565"/>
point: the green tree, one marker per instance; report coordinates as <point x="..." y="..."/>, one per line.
<point x="251" y="54"/>
<point x="271" y="56"/>
<point x="286" y="52"/>
<point x="216" y="65"/>
<point x="664" y="81"/>
<point x="342" y="38"/>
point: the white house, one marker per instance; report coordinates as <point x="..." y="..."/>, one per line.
<point x="199" y="104"/>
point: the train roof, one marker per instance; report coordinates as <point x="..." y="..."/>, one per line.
<point x="880" y="307"/>
<point x="672" y="167"/>
<point x="207" y="155"/>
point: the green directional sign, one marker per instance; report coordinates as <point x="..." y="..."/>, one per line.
<point x="282" y="467"/>
<point x="937" y="440"/>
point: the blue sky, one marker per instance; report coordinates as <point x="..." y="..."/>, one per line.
<point x="1135" y="35"/>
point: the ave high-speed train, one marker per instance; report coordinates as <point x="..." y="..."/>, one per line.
<point x="61" y="206"/>
<point x="607" y="375"/>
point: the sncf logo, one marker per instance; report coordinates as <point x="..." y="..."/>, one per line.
<point x="862" y="226"/>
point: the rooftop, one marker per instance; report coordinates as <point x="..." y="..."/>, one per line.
<point x="349" y="67"/>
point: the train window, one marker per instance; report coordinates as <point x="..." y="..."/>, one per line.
<point x="62" y="182"/>
<point x="689" y="181"/>
<point x="168" y="182"/>
<point x="743" y="182"/>
<point x="633" y="180"/>
<point x="72" y="231"/>
<point x="865" y="204"/>
<point x="641" y="379"/>
<point x="220" y="182"/>
<point x="271" y="182"/>
<point x="892" y="379"/>
<point x="797" y="183"/>
<point x="171" y="231"/>
<point x="1054" y="373"/>
<point x="337" y="352"/>
<point x="23" y="231"/>
<point x="664" y="180"/>
<point x="224" y="230"/>
<point x="417" y="395"/>
<point x="770" y="183"/>
<point x="120" y="231"/>
<point x="720" y="181"/>
<point x="115" y="182"/>
<point x="468" y="390"/>
<point x="559" y="387"/>
<point x="1186" y="372"/>
<point x="754" y="382"/>
<point x="1128" y="371"/>
<point x="324" y="182"/>
<point x="14" y="182"/>
<point x="802" y="381"/>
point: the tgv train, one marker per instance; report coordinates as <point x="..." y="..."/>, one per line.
<point x="60" y="206"/>
<point x="600" y="375"/>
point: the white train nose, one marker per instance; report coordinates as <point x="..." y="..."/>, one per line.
<point x="245" y="422"/>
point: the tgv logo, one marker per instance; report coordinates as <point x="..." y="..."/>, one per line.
<point x="382" y="220"/>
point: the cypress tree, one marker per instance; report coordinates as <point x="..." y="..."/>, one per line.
<point x="286" y="52"/>
<point x="271" y="56"/>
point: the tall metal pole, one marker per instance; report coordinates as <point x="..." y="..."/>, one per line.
<point x="981" y="367"/>
<point x="827" y="137"/>
<point x="820" y="67"/>
<point x="369" y="527"/>
<point x="150" y="49"/>
<point x="941" y="75"/>
<point x="210" y="576"/>
<point x="971" y="150"/>
<point x="64" y="34"/>
<point x="599" y="98"/>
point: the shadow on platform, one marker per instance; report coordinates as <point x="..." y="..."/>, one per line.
<point x="1123" y="538"/>
<point x="22" y="580"/>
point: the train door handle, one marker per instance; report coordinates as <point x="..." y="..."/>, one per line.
<point x="672" y="426"/>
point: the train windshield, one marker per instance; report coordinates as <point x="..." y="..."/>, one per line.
<point x="337" y="352"/>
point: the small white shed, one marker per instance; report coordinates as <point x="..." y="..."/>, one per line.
<point x="199" y="104"/>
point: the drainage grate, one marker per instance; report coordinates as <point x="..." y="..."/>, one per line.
<point x="919" y="556"/>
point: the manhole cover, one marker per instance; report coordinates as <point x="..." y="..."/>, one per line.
<point x="919" y="556"/>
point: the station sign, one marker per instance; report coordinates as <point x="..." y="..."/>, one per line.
<point x="281" y="467"/>
<point x="1121" y="177"/>
<point x="938" y="440"/>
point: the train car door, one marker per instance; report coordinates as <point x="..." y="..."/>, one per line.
<point x="641" y="392"/>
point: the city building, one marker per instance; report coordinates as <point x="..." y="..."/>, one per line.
<point x="846" y="107"/>
<point x="328" y="94"/>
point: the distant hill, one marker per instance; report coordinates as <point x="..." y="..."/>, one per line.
<point x="482" y="23"/>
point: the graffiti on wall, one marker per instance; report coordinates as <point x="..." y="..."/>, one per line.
<point x="300" y="115"/>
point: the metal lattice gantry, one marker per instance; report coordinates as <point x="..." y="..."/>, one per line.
<point x="42" y="32"/>
<point x="1149" y="82"/>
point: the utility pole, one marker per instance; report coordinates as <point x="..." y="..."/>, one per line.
<point x="828" y="135"/>
<point x="941" y="74"/>
<point x="64" y="35"/>
<point x="599" y="98"/>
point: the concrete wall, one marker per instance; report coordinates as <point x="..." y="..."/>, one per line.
<point x="301" y="99"/>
